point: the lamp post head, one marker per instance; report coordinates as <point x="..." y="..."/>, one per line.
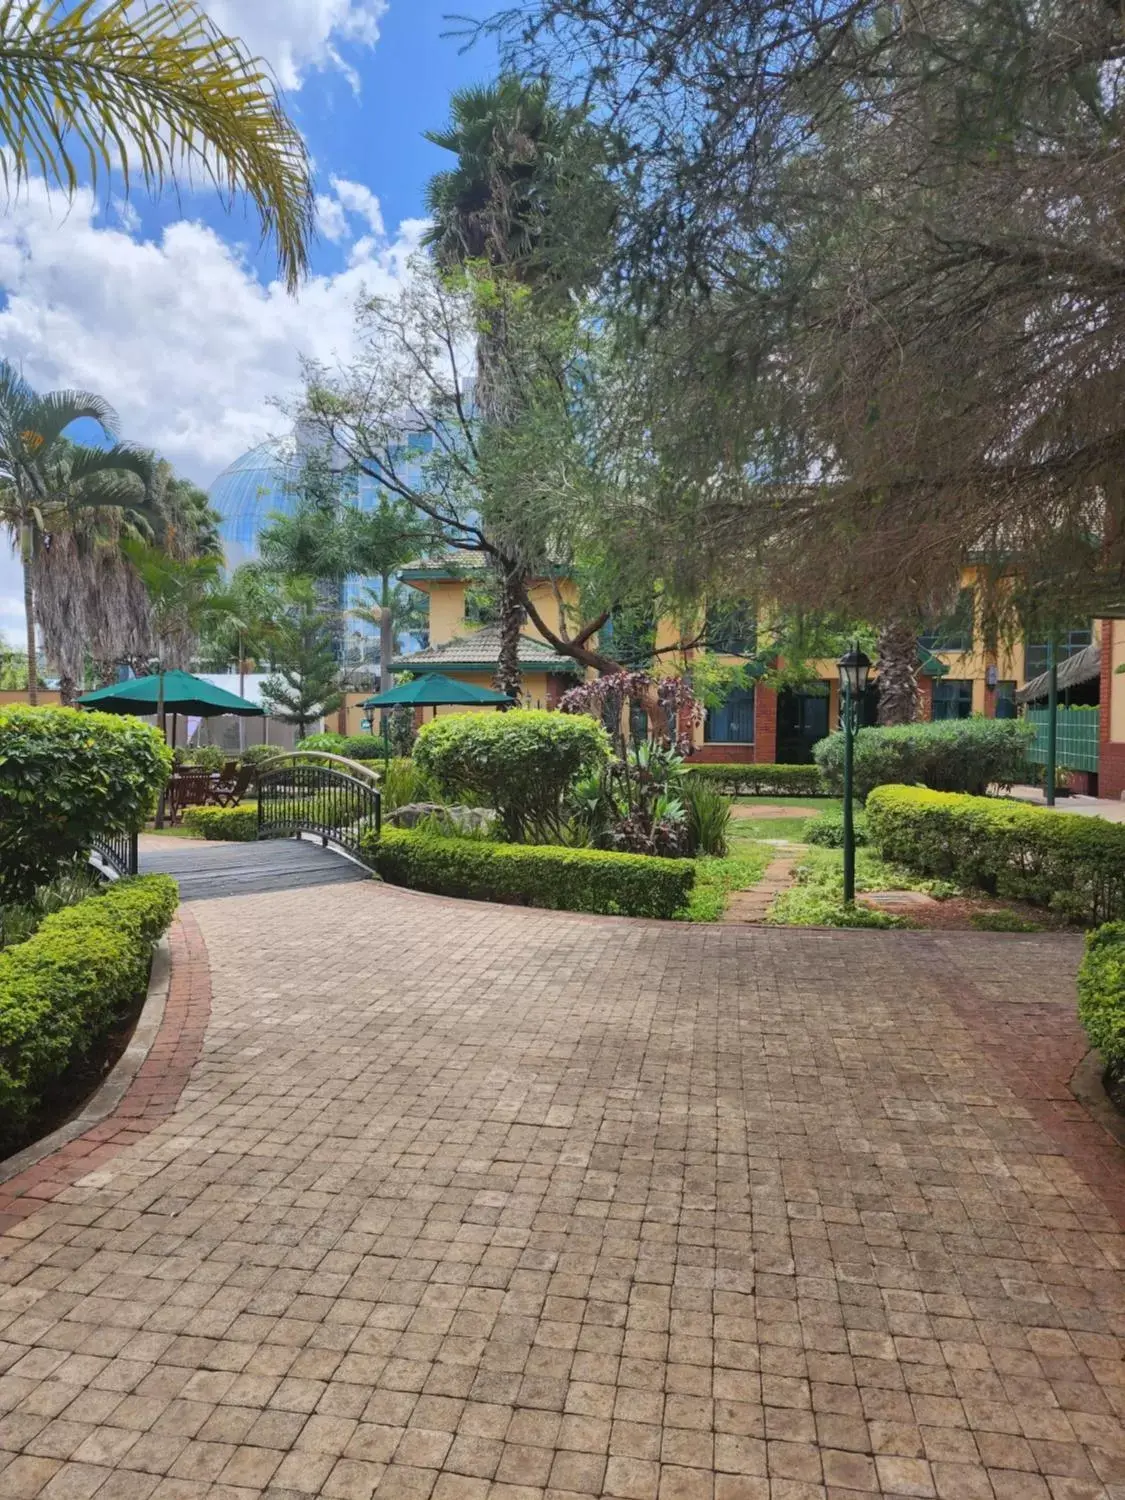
<point x="854" y="666"/>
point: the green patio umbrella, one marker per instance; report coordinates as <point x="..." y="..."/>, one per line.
<point x="182" y="693"/>
<point x="432" y="689"/>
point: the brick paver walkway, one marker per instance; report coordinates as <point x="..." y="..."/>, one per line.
<point x="489" y="1204"/>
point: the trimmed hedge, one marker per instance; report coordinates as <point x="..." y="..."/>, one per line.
<point x="955" y="755"/>
<point x="1101" y="994"/>
<point x="239" y="824"/>
<point x="592" y="880"/>
<point x="63" y="989"/>
<point x="765" y="780"/>
<point x="1072" y="864"/>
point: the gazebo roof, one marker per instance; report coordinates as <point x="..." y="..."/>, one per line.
<point x="479" y="651"/>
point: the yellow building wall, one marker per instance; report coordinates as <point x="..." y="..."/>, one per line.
<point x="447" y="610"/>
<point x="1116" y="648"/>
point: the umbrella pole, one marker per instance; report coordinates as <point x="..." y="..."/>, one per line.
<point x="158" y="821"/>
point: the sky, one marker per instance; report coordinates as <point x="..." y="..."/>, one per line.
<point x="171" y="310"/>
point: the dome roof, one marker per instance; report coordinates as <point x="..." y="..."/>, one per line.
<point x="249" y="488"/>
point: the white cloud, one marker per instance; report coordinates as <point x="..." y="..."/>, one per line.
<point x="296" y="35"/>
<point x="178" y="333"/>
<point x="331" y="220"/>
<point x="356" y="199"/>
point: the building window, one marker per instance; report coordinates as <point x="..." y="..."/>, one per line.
<point x="955" y="632"/>
<point x="733" y="723"/>
<point x="1067" y="643"/>
<point x="1005" y="700"/>
<point x="953" y="698"/>
<point x="732" y="630"/>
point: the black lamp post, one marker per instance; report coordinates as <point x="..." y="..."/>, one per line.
<point x="854" y="666"/>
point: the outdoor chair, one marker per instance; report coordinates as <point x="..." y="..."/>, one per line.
<point x="189" y="788"/>
<point x="230" y="789"/>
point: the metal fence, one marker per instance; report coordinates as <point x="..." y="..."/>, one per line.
<point x="1076" y="745"/>
<point x="116" y="853"/>
<point x="339" y="802"/>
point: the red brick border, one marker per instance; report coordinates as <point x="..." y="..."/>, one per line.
<point x="153" y="1093"/>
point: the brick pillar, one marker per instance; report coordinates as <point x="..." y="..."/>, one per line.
<point x="765" y="725"/>
<point x="1111" y="754"/>
<point x="927" y="698"/>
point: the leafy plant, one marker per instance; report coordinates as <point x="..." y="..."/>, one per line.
<point x="1101" y="994"/>
<point x="65" y="776"/>
<point x="1071" y="864"/>
<point x="522" y="763"/>
<point x="708" y="816"/>
<point x="759" y="780"/>
<point x="1002" y="921"/>
<point x="716" y="879"/>
<point x="827" y="830"/>
<point x="592" y="880"/>
<point x="62" y="989"/>
<point x="238" y="824"/>
<point x="961" y="755"/>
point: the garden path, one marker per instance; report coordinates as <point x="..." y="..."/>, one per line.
<point x="483" y="1203"/>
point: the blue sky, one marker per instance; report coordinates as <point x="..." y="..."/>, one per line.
<point x="171" y="310"/>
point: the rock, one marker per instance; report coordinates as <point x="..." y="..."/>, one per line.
<point x="458" y="819"/>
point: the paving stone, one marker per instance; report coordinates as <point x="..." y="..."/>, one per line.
<point x="482" y="1203"/>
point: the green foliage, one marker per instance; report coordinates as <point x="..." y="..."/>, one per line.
<point x="765" y="780"/>
<point x="957" y="755"/>
<point x="351" y="746"/>
<point x="17" y="923"/>
<point x="817" y="897"/>
<point x="1070" y="864"/>
<point x="522" y="763"/>
<point x="238" y="824"/>
<point x="715" y="879"/>
<point x="402" y="782"/>
<point x="1002" y="921"/>
<point x="65" y="776"/>
<point x="325" y="739"/>
<point x="708" y="816"/>
<point x="305" y="686"/>
<point x="828" y="830"/>
<point x="1101" y="994"/>
<point x="207" y="758"/>
<point x="256" y="756"/>
<point x="592" y="880"/>
<point x="62" y="990"/>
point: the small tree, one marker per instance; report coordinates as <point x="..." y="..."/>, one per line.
<point x="66" y="776"/>
<point x="522" y="763"/>
<point x="305" y="685"/>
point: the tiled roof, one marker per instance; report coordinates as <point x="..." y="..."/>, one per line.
<point x="481" y="648"/>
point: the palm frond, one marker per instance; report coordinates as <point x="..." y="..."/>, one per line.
<point x="88" y="89"/>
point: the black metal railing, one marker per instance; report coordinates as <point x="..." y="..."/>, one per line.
<point x="116" y="852"/>
<point x="310" y="791"/>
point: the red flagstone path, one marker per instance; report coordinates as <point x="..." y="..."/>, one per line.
<point x="483" y="1203"/>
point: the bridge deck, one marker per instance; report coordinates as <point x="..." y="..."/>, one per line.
<point x="207" y="870"/>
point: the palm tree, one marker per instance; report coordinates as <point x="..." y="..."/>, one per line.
<point x="157" y="90"/>
<point x="45" y="479"/>
<point x="899" y="701"/>
<point x="528" y="197"/>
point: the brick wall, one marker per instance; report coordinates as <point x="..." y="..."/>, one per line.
<point x="723" y="754"/>
<point x="765" y="726"/>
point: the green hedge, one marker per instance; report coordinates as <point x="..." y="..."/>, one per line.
<point x="239" y="824"/>
<point x="1101" y="994"/>
<point x="1072" y="864"/>
<point x="956" y="755"/>
<point x="629" y="885"/>
<point x="765" y="780"/>
<point x="63" y="989"/>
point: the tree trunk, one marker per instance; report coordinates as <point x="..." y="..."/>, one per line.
<point x="386" y="636"/>
<point x="26" y="542"/>
<point x="507" y="677"/>
<point x="899" y="697"/>
<point x="68" y="690"/>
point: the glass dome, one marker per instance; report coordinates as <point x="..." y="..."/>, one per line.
<point x="248" y="489"/>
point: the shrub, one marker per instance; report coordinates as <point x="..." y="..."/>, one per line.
<point x="1101" y="994"/>
<point x="239" y="824"/>
<point x="326" y="740"/>
<point x="631" y="885"/>
<point x="402" y="783"/>
<point x="65" y="776"/>
<point x="255" y="756"/>
<point x="207" y="758"/>
<point x="764" y="780"/>
<point x="708" y="816"/>
<point x="1072" y="864"/>
<point x="521" y="762"/>
<point x="827" y="830"/>
<point x="64" y="988"/>
<point x="351" y="746"/>
<point x="958" y="755"/>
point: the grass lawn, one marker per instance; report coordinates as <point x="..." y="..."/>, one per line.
<point x="817" y="899"/>
<point x="775" y="827"/>
<point x="716" y="878"/>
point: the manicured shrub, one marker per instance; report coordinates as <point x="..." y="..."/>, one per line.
<point x="326" y="739"/>
<point x="593" y="880"/>
<point x="350" y="746"/>
<point x="956" y="755"/>
<point x="1072" y="864"/>
<point x="256" y="756"/>
<point x="1101" y="994"/>
<point x="207" y="758"/>
<point x="764" y="780"/>
<point x="66" y="776"/>
<point x="827" y="830"/>
<point x="64" y="988"/>
<point x="522" y="763"/>
<point x="239" y="824"/>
